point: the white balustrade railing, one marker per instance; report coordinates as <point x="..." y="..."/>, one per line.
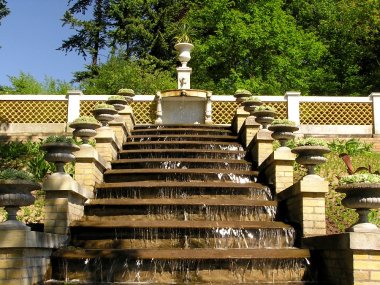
<point x="292" y="99"/>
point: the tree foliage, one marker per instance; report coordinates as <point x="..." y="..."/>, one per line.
<point x="4" y="11"/>
<point x="319" y="47"/>
<point x="117" y="73"/>
<point x="27" y="84"/>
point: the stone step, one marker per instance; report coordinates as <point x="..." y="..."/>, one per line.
<point x="198" y="174"/>
<point x="175" y="189"/>
<point x="184" y="131"/>
<point x="182" y="153"/>
<point x="176" y="126"/>
<point x="198" y="209"/>
<point x="181" y="137"/>
<point x="165" y="163"/>
<point x="209" y="145"/>
<point x="179" y="266"/>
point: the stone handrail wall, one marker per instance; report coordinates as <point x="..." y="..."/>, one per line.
<point x="315" y="114"/>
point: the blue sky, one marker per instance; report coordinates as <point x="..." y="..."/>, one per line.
<point x="29" y="37"/>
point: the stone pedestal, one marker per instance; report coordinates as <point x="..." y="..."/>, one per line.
<point x="277" y="169"/>
<point x="345" y="259"/>
<point x="261" y="147"/>
<point x="64" y="202"/>
<point x="303" y="204"/>
<point x="121" y="132"/>
<point x="248" y="131"/>
<point x="128" y="118"/>
<point x="239" y="119"/>
<point x="107" y="145"/>
<point x="25" y="256"/>
<point x="89" y="168"/>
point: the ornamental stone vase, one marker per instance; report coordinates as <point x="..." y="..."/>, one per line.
<point x="184" y="50"/>
<point x="362" y="197"/>
<point x="104" y="115"/>
<point x="119" y="104"/>
<point x="59" y="154"/>
<point x="84" y="130"/>
<point x="310" y="156"/>
<point x="250" y="106"/>
<point x="283" y="133"/>
<point x="264" y="117"/>
<point x="127" y="93"/>
<point x="15" y="193"/>
<point x="241" y="96"/>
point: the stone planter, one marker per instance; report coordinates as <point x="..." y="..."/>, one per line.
<point x="264" y="117"/>
<point x="104" y="115"/>
<point x="240" y="97"/>
<point x="184" y="50"/>
<point x="310" y="156"/>
<point x="84" y="130"/>
<point x="250" y="106"/>
<point x="60" y="154"/>
<point x="13" y="195"/>
<point x="119" y="104"/>
<point x="283" y="133"/>
<point x="362" y="197"/>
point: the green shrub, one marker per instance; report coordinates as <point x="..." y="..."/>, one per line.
<point x="360" y="178"/>
<point x="265" y="108"/>
<point x="116" y="97"/>
<point x="59" y="139"/>
<point x="86" y="119"/>
<point x="283" y="122"/>
<point x="310" y="142"/>
<point x="15" y="174"/>
<point x="104" y="106"/>
<point x="243" y="91"/>
<point x="351" y="146"/>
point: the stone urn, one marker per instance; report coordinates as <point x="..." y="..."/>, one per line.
<point x="241" y="95"/>
<point x="118" y="102"/>
<point x="310" y="156"/>
<point x="184" y="50"/>
<point x="250" y="105"/>
<point x="15" y="193"/>
<point x="84" y="129"/>
<point x="362" y="197"/>
<point x="264" y="117"/>
<point x="104" y="113"/>
<point x="283" y="132"/>
<point x="127" y="93"/>
<point x="59" y="153"/>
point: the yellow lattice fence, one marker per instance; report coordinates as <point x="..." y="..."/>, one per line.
<point x="335" y="113"/>
<point x="280" y="107"/>
<point x="144" y="111"/>
<point x="223" y="112"/>
<point x="33" y="111"/>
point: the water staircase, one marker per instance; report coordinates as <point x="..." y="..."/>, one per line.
<point x="181" y="205"/>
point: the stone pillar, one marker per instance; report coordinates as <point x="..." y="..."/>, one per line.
<point x="183" y="79"/>
<point x="73" y="104"/>
<point x="260" y="148"/>
<point x="346" y="258"/>
<point x="304" y="204"/>
<point x="121" y="132"/>
<point x="277" y="169"/>
<point x="239" y="119"/>
<point x="25" y="256"/>
<point x="128" y="118"/>
<point x="375" y="97"/>
<point x="293" y="99"/>
<point x="107" y="145"/>
<point x="89" y="169"/>
<point x="64" y="202"/>
<point x="208" y="112"/>
<point x="158" y="98"/>
<point x="248" y="131"/>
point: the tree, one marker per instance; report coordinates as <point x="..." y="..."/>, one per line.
<point x="91" y="34"/>
<point x="254" y="45"/>
<point x="119" y="73"/>
<point x="4" y="11"/>
<point x="350" y="29"/>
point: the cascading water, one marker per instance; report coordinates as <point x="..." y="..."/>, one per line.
<point x="195" y="215"/>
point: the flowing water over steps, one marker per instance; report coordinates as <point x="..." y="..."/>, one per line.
<point x="181" y="205"/>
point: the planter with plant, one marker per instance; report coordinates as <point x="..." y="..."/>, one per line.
<point x="15" y="191"/>
<point x="283" y="130"/>
<point x="310" y="153"/>
<point x="104" y="113"/>
<point x="126" y="92"/>
<point x="242" y="94"/>
<point x="183" y="44"/>
<point x="264" y="115"/>
<point x="85" y="128"/>
<point x="118" y="101"/>
<point x="362" y="194"/>
<point x="59" y="150"/>
<point x="250" y="104"/>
